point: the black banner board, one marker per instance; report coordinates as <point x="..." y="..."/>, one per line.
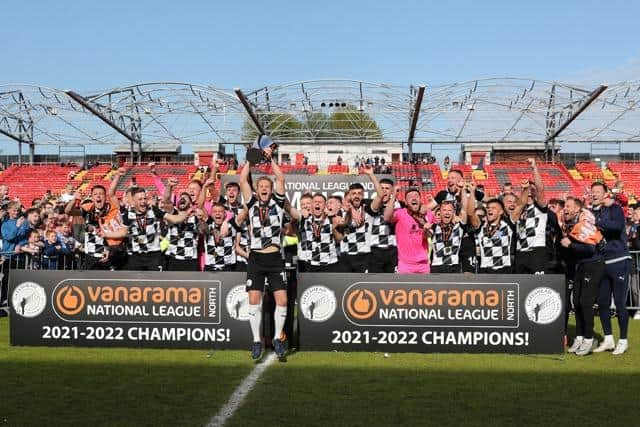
<point x="432" y="313"/>
<point x="129" y="309"/>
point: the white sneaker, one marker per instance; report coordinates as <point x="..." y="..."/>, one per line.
<point x="586" y="347"/>
<point x="637" y="315"/>
<point x="622" y="346"/>
<point x="577" y="342"/>
<point x="607" y="345"/>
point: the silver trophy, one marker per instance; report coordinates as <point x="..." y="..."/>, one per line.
<point x="255" y="154"/>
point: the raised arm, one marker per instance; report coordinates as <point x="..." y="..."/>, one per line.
<point x="468" y="211"/>
<point x="294" y="213"/>
<point x="202" y="197"/>
<point x="377" y="200"/>
<point x="177" y="218"/>
<point x="245" y="187"/>
<point x="537" y="180"/>
<point x="277" y="173"/>
<point x="113" y="187"/>
<point x="157" y="181"/>
<point x="521" y="203"/>
<point x="168" y="190"/>
<point x="213" y="170"/>
<point x="389" y="208"/>
<point x="71" y="208"/>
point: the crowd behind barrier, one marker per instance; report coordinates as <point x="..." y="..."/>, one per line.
<point x="251" y="226"/>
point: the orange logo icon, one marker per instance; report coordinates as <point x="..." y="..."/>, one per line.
<point x="70" y="300"/>
<point x="361" y="304"/>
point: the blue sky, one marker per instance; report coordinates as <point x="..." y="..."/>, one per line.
<point x="94" y="45"/>
<point x="88" y="46"/>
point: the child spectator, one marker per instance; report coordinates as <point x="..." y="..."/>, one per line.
<point x="69" y="243"/>
<point x="53" y="251"/>
<point x="31" y="251"/>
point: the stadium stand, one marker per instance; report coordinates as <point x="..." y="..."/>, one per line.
<point x="557" y="179"/>
<point x="29" y="182"/>
<point x="145" y="179"/>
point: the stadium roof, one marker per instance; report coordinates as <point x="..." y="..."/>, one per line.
<point x="487" y="110"/>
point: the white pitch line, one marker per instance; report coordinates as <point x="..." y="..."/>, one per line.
<point x="240" y="393"/>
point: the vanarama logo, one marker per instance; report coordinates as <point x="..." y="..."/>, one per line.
<point x="361" y="304"/>
<point x="69" y="300"/>
<point x="137" y="300"/>
<point x="431" y="304"/>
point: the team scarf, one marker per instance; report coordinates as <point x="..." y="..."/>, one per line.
<point x="585" y="230"/>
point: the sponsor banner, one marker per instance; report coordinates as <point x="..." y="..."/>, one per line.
<point x="297" y="185"/>
<point x="129" y="309"/>
<point x="432" y="313"/>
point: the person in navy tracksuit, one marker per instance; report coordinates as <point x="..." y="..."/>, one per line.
<point x="582" y="247"/>
<point x="610" y="221"/>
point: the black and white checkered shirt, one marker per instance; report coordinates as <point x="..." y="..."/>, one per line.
<point x="183" y="239"/>
<point x="304" y="242"/>
<point x="319" y="235"/>
<point x="495" y="245"/>
<point x="382" y="233"/>
<point x="446" y="251"/>
<point x="357" y="240"/>
<point x="265" y="222"/>
<point x="219" y="251"/>
<point x="244" y="227"/>
<point x="94" y="245"/>
<point x="144" y="230"/>
<point x="532" y="228"/>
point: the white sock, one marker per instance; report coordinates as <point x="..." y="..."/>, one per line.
<point x="255" y="318"/>
<point x="280" y="317"/>
<point x="578" y="338"/>
<point x="622" y="341"/>
<point x="608" y="339"/>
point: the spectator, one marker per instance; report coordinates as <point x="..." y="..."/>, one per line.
<point x="4" y="196"/>
<point x="507" y="188"/>
<point x="67" y="194"/>
<point x="31" y="251"/>
<point x="620" y="197"/>
<point x="53" y="251"/>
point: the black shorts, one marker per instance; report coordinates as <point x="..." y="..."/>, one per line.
<point x="95" y="263"/>
<point x="266" y="270"/>
<point x="327" y="268"/>
<point x="230" y="267"/>
<point x="446" y="268"/>
<point x="182" y="264"/>
<point x="531" y="262"/>
<point x="383" y="260"/>
<point x="303" y="266"/>
<point x="355" y="263"/>
<point x="503" y="270"/>
<point x="117" y="260"/>
<point x="151" y="261"/>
